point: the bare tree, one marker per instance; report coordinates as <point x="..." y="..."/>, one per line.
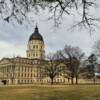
<point x="20" y="9"/>
<point x="90" y="67"/>
<point x="52" y="68"/>
<point x="72" y="57"/>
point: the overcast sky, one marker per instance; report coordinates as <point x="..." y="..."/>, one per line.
<point x="14" y="38"/>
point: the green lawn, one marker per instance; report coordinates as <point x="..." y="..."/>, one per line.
<point x="67" y="92"/>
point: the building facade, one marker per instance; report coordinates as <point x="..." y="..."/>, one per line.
<point x="19" y="70"/>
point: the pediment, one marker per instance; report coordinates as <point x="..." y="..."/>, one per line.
<point x="5" y="61"/>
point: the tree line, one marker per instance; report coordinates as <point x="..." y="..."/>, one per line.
<point x="70" y="63"/>
<point x="73" y="63"/>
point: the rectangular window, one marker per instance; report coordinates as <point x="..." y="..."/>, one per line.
<point x="31" y="75"/>
<point x="25" y="69"/>
<point x="22" y="81"/>
<point x="33" y="46"/>
<point x="22" y="75"/>
<point x="22" y="68"/>
<point x="28" y="69"/>
<point x="31" y="69"/>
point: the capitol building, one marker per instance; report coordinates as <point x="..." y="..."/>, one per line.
<point x="28" y="70"/>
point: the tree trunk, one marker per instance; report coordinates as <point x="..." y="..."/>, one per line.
<point x="72" y="81"/>
<point x="12" y="81"/>
<point x="94" y="79"/>
<point x="68" y="80"/>
<point x="51" y="81"/>
<point x="76" y="79"/>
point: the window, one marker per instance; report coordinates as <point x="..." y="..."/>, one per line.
<point x="22" y="75"/>
<point x="21" y="81"/>
<point x="18" y="81"/>
<point x="34" y="75"/>
<point x="25" y="75"/>
<point x="25" y="81"/>
<point x="33" y="46"/>
<point x="36" y="46"/>
<point x="31" y="69"/>
<point x="31" y="75"/>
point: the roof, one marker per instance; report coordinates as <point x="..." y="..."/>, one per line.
<point x="36" y="35"/>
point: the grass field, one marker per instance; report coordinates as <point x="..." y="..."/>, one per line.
<point x="65" y="92"/>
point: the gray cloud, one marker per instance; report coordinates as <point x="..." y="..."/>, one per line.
<point x="13" y="39"/>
